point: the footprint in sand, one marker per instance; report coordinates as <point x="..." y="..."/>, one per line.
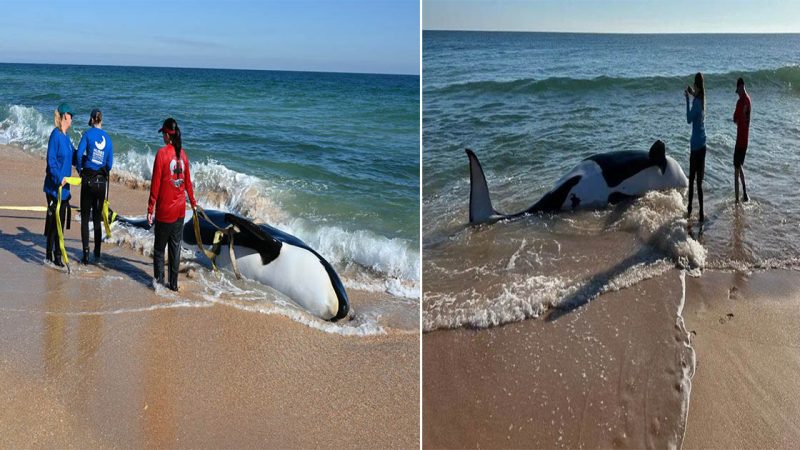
<point x="727" y="317"/>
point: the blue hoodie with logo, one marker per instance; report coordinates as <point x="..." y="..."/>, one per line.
<point x="95" y="150"/>
<point x="60" y="157"/>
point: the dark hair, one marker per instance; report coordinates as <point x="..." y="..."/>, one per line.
<point x="175" y="138"/>
<point x="740" y="81"/>
<point x="701" y="90"/>
<point x="95" y="117"/>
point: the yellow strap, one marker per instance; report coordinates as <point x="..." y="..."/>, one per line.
<point x="229" y="231"/>
<point x="106" y="221"/>
<point x="75" y="181"/>
<point x="25" y="208"/>
<point x="197" y="237"/>
<point x="233" y="258"/>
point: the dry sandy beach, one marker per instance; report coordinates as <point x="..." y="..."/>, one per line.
<point x="98" y="359"/>
<point x="613" y="373"/>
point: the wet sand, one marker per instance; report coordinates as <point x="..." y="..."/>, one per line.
<point x="607" y="374"/>
<point x="97" y="359"/>
<point x="746" y="390"/>
<point x="610" y="374"/>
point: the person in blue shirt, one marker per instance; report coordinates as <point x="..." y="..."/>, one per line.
<point x="60" y="157"/>
<point x="94" y="161"/>
<point x="695" y="115"/>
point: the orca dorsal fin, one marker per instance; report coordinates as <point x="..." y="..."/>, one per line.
<point x="658" y="154"/>
<point x="480" y="204"/>
<point x="267" y="246"/>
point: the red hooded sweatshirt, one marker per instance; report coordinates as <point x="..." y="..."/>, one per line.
<point x="171" y="182"/>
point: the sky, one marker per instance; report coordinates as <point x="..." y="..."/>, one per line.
<point x="362" y="36"/>
<point x="614" y="16"/>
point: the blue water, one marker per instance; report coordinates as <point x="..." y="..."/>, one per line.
<point x="331" y="157"/>
<point x="533" y="105"/>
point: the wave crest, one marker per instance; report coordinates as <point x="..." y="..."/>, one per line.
<point x="787" y="76"/>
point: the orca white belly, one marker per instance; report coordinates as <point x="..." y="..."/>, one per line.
<point x="296" y="273"/>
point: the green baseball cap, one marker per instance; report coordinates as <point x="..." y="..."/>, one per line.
<point x="64" y="108"/>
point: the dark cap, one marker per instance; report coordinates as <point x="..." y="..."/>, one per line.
<point x="170" y="126"/>
<point x="96" y="116"/>
<point x="64" y="108"/>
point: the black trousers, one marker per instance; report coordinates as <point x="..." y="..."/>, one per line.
<point x="697" y="169"/>
<point x="50" y="228"/>
<point x="169" y="235"/>
<point x="93" y="194"/>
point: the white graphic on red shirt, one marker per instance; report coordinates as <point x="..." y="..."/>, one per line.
<point x="176" y="172"/>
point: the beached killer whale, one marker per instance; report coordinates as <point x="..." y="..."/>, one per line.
<point x="274" y="258"/>
<point x="597" y="181"/>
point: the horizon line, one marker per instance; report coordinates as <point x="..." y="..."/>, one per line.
<point x="216" y="68"/>
<point x="615" y="32"/>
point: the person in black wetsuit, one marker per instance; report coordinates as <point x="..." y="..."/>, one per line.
<point x="95" y="158"/>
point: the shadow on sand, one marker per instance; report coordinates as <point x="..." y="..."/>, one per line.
<point x="29" y="248"/>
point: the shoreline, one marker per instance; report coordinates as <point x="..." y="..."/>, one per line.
<point x="97" y="357"/>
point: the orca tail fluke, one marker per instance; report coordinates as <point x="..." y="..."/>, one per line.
<point x="480" y="204"/>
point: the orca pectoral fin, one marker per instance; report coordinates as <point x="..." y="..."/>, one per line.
<point x="138" y="223"/>
<point x="480" y="204"/>
<point x="267" y="246"/>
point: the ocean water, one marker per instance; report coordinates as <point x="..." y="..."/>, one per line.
<point x="533" y="105"/>
<point x="332" y="158"/>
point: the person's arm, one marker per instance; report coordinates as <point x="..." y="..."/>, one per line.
<point x="155" y="185"/>
<point x="746" y="113"/>
<point x="52" y="159"/>
<point x="189" y="187"/>
<point x="737" y="112"/>
<point x="81" y="151"/>
<point x="110" y="155"/>
<point x="52" y="148"/>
